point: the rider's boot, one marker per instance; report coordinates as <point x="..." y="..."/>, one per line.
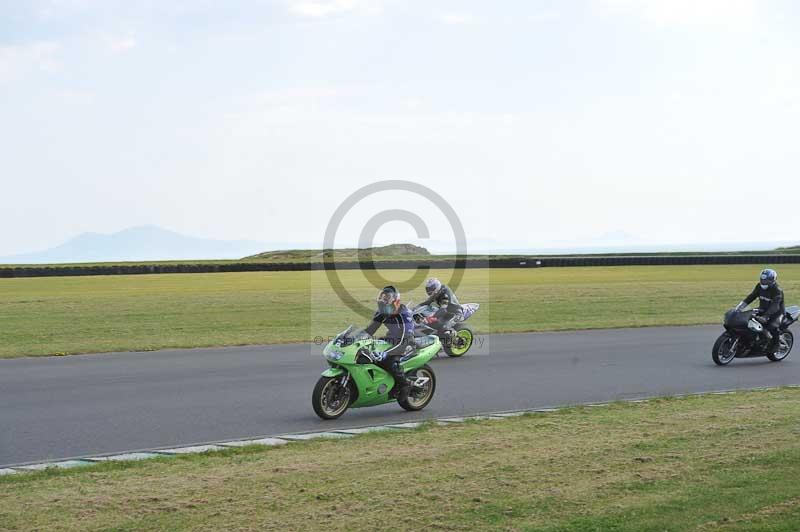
<point x="772" y="341"/>
<point x="402" y="384"/>
<point x="447" y="333"/>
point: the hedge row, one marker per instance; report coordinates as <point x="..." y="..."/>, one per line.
<point x="504" y="262"/>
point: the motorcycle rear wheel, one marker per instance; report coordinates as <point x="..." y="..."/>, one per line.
<point x="326" y="398"/>
<point x="785" y="343"/>
<point x="418" y="398"/>
<point x="459" y="343"/>
<point x="721" y="353"/>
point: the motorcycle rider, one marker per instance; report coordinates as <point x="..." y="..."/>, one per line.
<point x="444" y="297"/>
<point x="770" y="304"/>
<point x="397" y="319"/>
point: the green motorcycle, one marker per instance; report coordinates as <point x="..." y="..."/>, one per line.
<point x="354" y="380"/>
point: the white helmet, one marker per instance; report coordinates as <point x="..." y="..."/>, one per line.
<point x="432" y="286"/>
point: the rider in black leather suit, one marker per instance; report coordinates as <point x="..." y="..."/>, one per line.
<point x="771" y="307"/>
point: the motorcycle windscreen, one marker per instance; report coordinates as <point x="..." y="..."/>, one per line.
<point x="737" y="320"/>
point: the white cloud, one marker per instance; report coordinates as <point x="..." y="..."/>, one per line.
<point x="16" y="61"/>
<point x="73" y="97"/>
<point x="724" y="13"/>
<point x="296" y="98"/>
<point x="120" y="43"/>
<point x="412" y="104"/>
<point x="458" y="19"/>
<point x="289" y="102"/>
<point x="544" y="16"/>
<point x="325" y="8"/>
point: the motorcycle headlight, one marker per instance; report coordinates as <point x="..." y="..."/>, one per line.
<point x="333" y="354"/>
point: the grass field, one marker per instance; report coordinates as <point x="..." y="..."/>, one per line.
<point x="702" y="463"/>
<point x="41" y="316"/>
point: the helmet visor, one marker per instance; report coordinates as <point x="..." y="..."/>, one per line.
<point x="385" y="298"/>
<point x="387" y="309"/>
<point x="386" y="303"/>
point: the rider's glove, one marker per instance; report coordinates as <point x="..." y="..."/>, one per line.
<point x="379" y="356"/>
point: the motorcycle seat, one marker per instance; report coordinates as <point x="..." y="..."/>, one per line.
<point x="424" y="341"/>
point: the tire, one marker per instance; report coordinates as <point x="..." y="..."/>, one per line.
<point x="323" y="392"/>
<point x="785" y="343"/>
<point x="417" y="400"/>
<point x="720" y="353"/>
<point x="460" y="342"/>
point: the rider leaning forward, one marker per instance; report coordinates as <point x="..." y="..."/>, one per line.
<point x="444" y="297"/>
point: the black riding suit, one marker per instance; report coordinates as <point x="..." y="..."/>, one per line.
<point x="770" y="305"/>
<point x="401" y="335"/>
<point x="449" y="308"/>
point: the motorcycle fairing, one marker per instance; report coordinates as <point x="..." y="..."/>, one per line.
<point x="373" y="382"/>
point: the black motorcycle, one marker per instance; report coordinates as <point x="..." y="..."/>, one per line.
<point x="746" y="337"/>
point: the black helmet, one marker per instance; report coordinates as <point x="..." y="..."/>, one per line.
<point x="388" y="300"/>
<point x="767" y="278"/>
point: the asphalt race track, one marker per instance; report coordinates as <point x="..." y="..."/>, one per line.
<point x="60" y="407"/>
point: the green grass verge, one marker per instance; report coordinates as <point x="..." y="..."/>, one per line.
<point x="700" y="463"/>
<point x="41" y="316"/>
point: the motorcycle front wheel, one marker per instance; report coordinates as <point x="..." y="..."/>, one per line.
<point x="724" y="350"/>
<point x="785" y="343"/>
<point x="330" y="399"/>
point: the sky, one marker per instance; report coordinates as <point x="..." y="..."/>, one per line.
<point x="541" y="123"/>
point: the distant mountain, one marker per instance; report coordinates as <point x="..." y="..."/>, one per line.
<point x="138" y="244"/>
<point x="381" y="252"/>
